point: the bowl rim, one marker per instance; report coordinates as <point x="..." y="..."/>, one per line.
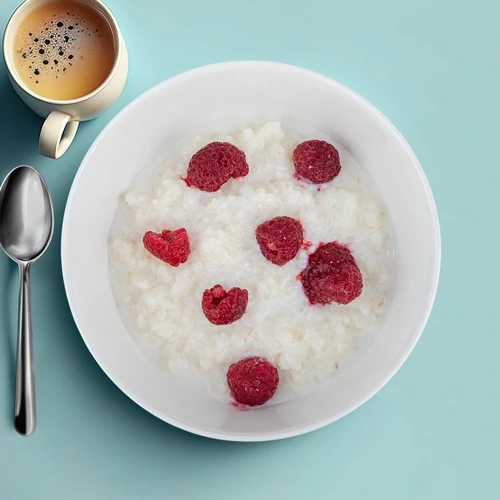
<point x="408" y="348"/>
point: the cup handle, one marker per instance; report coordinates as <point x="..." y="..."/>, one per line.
<point x="57" y="134"/>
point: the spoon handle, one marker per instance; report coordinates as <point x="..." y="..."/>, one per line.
<point x="25" y="411"/>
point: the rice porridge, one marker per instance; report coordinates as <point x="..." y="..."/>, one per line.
<point x="161" y="304"/>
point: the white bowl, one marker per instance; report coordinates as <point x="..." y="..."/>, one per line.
<point x="135" y="139"/>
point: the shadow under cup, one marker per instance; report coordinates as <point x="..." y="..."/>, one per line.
<point x="55" y="32"/>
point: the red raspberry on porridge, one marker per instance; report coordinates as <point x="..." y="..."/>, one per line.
<point x="252" y="381"/>
<point x="213" y="165"/>
<point x="332" y="275"/>
<point x="316" y="161"/>
<point x="280" y="239"/>
<point x="223" y="308"/>
<point x="171" y="247"/>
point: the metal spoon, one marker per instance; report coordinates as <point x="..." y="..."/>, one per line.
<point x="26" y="226"/>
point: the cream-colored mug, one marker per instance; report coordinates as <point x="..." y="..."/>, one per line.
<point x="63" y="116"/>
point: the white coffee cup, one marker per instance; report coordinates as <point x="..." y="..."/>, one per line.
<point x="63" y="116"/>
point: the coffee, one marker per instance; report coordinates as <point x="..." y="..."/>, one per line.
<point x="63" y="50"/>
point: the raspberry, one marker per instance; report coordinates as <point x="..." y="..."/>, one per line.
<point x="331" y="275"/>
<point x="223" y="308"/>
<point x="213" y="165"/>
<point x="316" y="161"/>
<point x="252" y="381"/>
<point x="171" y="247"/>
<point x="280" y="239"/>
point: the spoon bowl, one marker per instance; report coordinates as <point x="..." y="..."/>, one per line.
<point x="25" y="215"/>
<point x="26" y="228"/>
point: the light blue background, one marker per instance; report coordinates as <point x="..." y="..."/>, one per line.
<point x="433" y="433"/>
